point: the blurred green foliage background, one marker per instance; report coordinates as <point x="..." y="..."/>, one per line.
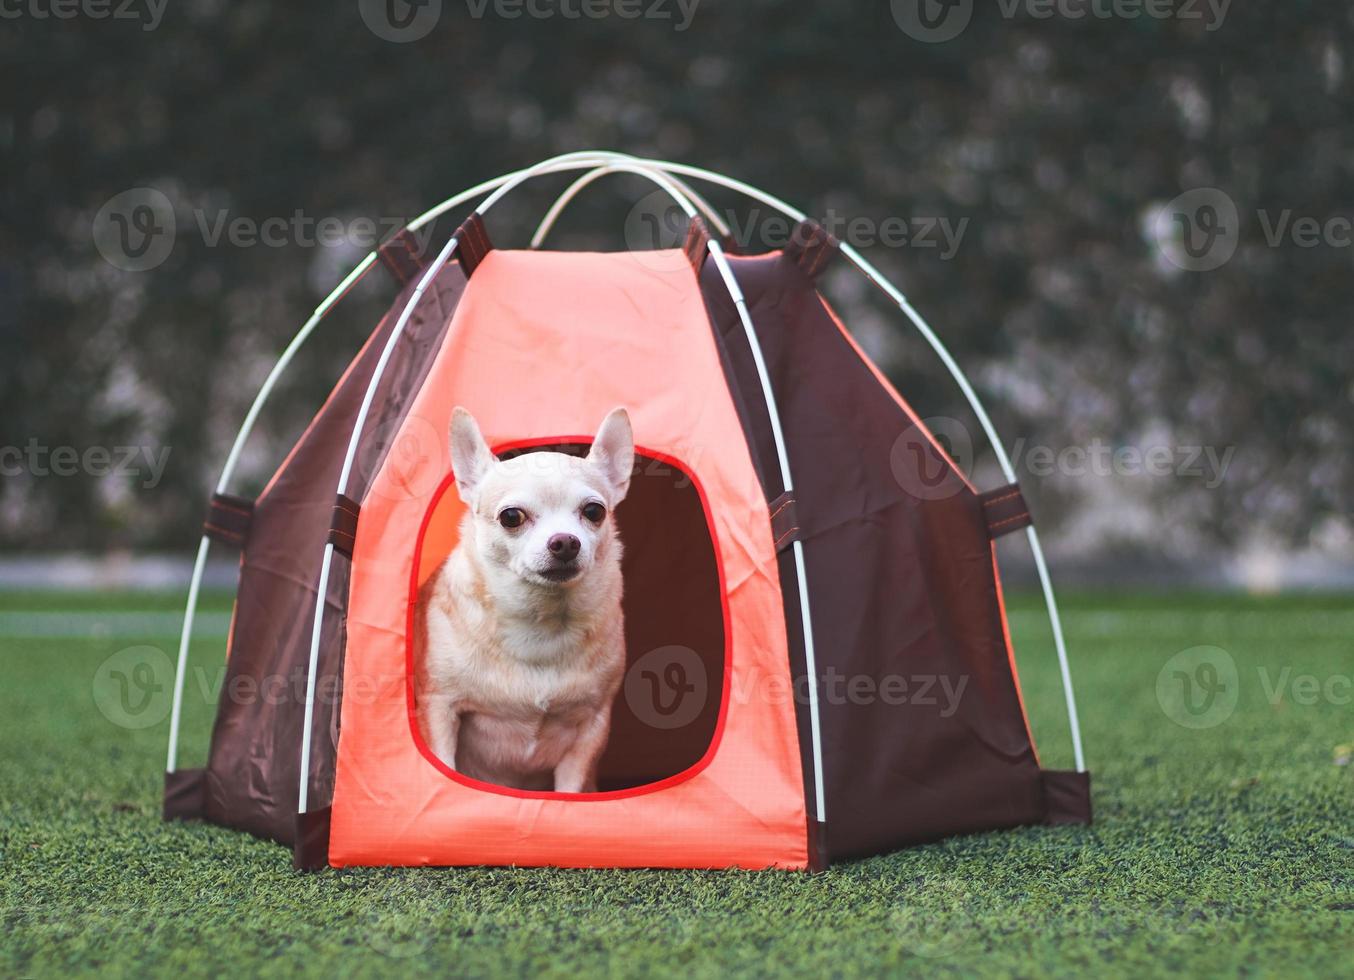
<point x="1051" y="144"/>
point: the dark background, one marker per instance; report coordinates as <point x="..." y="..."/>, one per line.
<point x="1057" y="141"/>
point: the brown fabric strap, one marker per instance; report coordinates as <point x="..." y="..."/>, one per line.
<point x="1005" y="510"/>
<point x="472" y="244"/>
<point x="402" y="256"/>
<point x="343" y="525"/>
<point x="784" y="521"/>
<point x="811" y="247"/>
<point x="697" y="244"/>
<point x="1067" y="796"/>
<point x="228" y="519"/>
<point x="185" y="794"/>
<point x="311" y="850"/>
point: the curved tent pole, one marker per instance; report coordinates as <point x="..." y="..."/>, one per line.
<point x="505" y="186"/>
<point x="322" y="592"/>
<point x="602" y="158"/>
<point x="801" y="575"/>
<point x="1008" y="471"/>
<point x="876" y="277"/>
<point x="957" y="373"/>
<point x="200" y="563"/>
<point x="265" y="391"/>
<point x="773" y="413"/>
<point x="573" y="190"/>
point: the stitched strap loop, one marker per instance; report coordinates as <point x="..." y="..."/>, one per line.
<point x="784" y="521"/>
<point x="228" y="519"/>
<point x="343" y="525"/>
<point x="1005" y="510"/>
<point x="811" y="247"/>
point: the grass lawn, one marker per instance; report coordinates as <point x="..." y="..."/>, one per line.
<point x="1218" y="850"/>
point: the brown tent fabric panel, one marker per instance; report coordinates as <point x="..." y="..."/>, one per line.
<point x="922" y="728"/>
<point x="251" y="780"/>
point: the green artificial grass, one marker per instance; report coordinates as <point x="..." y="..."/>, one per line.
<point x="1223" y="850"/>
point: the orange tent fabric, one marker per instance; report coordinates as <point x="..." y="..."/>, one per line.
<point x="814" y="741"/>
<point x="541" y="319"/>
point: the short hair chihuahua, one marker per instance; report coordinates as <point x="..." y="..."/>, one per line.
<point x="520" y="632"/>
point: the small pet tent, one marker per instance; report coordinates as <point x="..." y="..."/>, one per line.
<point x="818" y="661"/>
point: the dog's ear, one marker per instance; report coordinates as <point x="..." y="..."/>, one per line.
<point x="470" y="455"/>
<point x="613" y="451"/>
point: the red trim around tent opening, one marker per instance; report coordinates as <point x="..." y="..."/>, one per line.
<point x="618" y="794"/>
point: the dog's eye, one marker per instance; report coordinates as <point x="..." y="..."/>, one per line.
<point x="512" y="517"/>
<point x="594" y="512"/>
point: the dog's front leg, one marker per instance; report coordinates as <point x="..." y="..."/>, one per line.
<point x="577" y="771"/>
<point x="441" y="725"/>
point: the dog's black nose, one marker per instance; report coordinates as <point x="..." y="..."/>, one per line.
<point x="564" y="547"/>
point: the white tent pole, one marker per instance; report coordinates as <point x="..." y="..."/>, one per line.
<point x="232" y="459"/>
<point x="652" y="171"/>
<point x="326" y="561"/>
<point x="875" y="276"/>
<point x="570" y="161"/>
<point x="773" y="413"/>
<point x="561" y="202"/>
<point x="599" y="160"/>
<point x="176" y="710"/>
<point x="265" y="391"/>
<point x="1045" y="583"/>
<point x="735" y="293"/>
<point x="1052" y="605"/>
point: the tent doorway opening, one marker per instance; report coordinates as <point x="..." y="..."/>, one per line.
<point x="668" y="712"/>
